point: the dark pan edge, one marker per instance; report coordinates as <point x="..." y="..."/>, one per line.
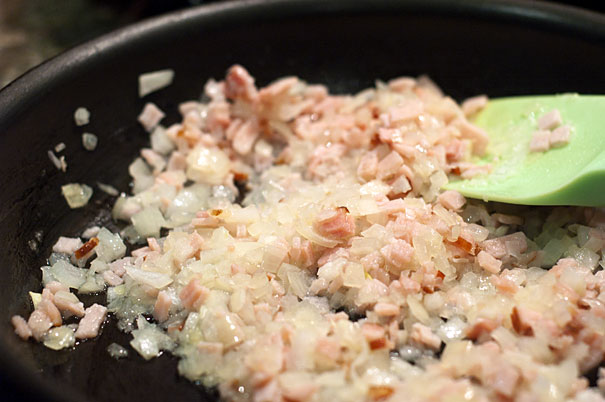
<point x="16" y="97"/>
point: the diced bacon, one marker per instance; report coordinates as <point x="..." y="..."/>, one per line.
<point x="188" y="249"/>
<point x="388" y="135"/>
<point x="68" y="303"/>
<point x="504" y="284"/>
<point x="91" y="232"/>
<point x="119" y="266"/>
<point x="21" y="327"/>
<point x="455" y="151"/>
<point x="269" y="391"/>
<point x="495" y="247"/>
<point x="400" y="186"/>
<point x="356" y="138"/>
<point x="326" y="159"/>
<point x="153" y="244"/>
<point x="523" y="320"/>
<point x="67" y="245"/>
<point x="386" y="309"/>
<point x="472" y="105"/>
<point x="504" y="380"/>
<point x="245" y="136"/>
<point x="154" y="159"/>
<point x="431" y="280"/>
<point x="408" y="285"/>
<point x="398" y="254"/>
<point x="336" y="223"/>
<point x="301" y="252"/>
<point x="425" y="336"/>
<point x="86" y="251"/>
<point x="193" y="120"/>
<point x="39" y="323"/>
<point x="55" y="286"/>
<point x="372" y="332"/>
<point x="513" y="244"/>
<point x="477" y="136"/>
<point x="90" y="325"/>
<point x="469" y="170"/>
<point x="214" y="90"/>
<point x="466" y="243"/>
<point x="408" y="110"/>
<point x="540" y="141"/>
<point x="332" y="254"/>
<point x="300" y="391"/>
<point x="488" y="262"/>
<point x="239" y="84"/>
<point x="380" y="392"/>
<point x="481" y="328"/>
<point x="368" y="166"/>
<point x="560" y="136"/>
<point x="177" y="161"/>
<point x="161" y="309"/>
<point x="188" y="107"/>
<point x="112" y="279"/>
<point x="193" y="295"/>
<point x="316" y="92"/>
<point x="550" y="120"/>
<point x="279" y="87"/>
<point x="191" y="134"/>
<point x="389" y="165"/>
<point x="370" y="292"/>
<point x="204" y="220"/>
<point x="140" y="252"/>
<point x="150" y="116"/>
<point x="508" y="219"/>
<point x="392" y="206"/>
<point x="452" y="200"/>
<point x="173" y="177"/>
<point x="47" y="306"/>
<point x="516" y="243"/>
<point x="328" y="350"/>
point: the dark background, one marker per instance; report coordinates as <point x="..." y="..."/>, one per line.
<point x="34" y="30"/>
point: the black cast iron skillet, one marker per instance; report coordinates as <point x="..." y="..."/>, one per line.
<point x="469" y="47"/>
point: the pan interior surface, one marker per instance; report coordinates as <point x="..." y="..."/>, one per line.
<point x="468" y="48"/>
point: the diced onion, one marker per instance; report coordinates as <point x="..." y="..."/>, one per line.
<point x="154" y="81"/>
<point x="89" y="141"/>
<point x="153" y="279"/>
<point x="76" y="195"/>
<point x="60" y="338"/>
<point x="81" y="116"/>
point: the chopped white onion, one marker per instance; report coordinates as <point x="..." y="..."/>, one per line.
<point x="148" y="222"/>
<point x="106" y="188"/>
<point x="89" y="141"/>
<point x="76" y="195"/>
<point x="149" y="340"/>
<point x="117" y="351"/>
<point x="81" y="116"/>
<point x="65" y="273"/>
<point x="154" y="81"/>
<point x="110" y="247"/>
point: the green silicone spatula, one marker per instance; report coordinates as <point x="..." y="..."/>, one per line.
<point x="570" y="175"/>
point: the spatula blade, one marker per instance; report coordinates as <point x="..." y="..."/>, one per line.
<point x="570" y="175"/>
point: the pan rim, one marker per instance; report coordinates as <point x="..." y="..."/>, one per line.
<point x="20" y="93"/>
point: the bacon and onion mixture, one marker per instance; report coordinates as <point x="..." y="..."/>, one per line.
<point x="297" y="246"/>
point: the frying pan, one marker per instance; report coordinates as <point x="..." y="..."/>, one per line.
<point x="468" y="47"/>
